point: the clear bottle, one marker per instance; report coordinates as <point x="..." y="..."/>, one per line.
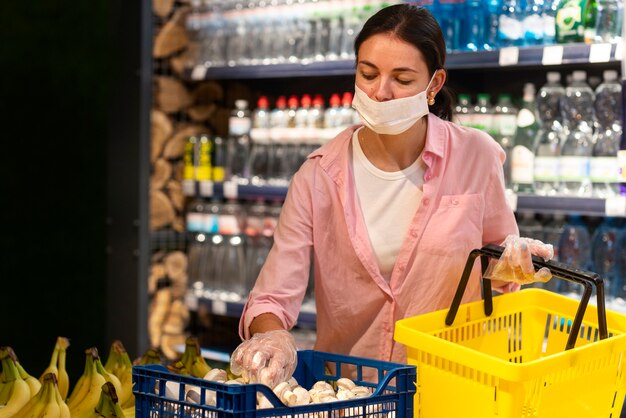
<point x="552" y="231"/>
<point x="549" y="21"/>
<point x="450" y="15"/>
<point x="522" y="156"/>
<point x="609" y="20"/>
<point x="346" y="112"/>
<point x="505" y="121"/>
<point x="332" y="113"/>
<point x="547" y="148"/>
<point x="230" y="265"/>
<point x="578" y="116"/>
<point x="482" y="117"/>
<point x="474" y="25"/>
<point x="604" y="166"/>
<point x="603" y="255"/>
<point x="278" y="130"/>
<point x="492" y="13"/>
<point x="463" y="110"/>
<point x="533" y="22"/>
<point x="239" y="126"/>
<point x="574" y="249"/>
<point x="260" y="135"/>
<point x="256" y="252"/>
<point x="510" y="26"/>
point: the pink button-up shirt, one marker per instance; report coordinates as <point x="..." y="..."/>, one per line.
<point x="463" y="208"/>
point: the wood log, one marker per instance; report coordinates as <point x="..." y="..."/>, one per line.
<point x="179" y="224"/>
<point x="175" y="146"/>
<point x="157" y="312"/>
<point x="208" y="93"/>
<point x="179" y="170"/>
<point x="176" y="265"/>
<point x="170" y="39"/>
<point x="157" y="271"/>
<point x="178" y="64"/>
<point x="201" y="113"/>
<point x="162" y="8"/>
<point x="162" y="211"/>
<point x="171" y="94"/>
<point x="161" y="174"/>
<point x="175" y="193"/>
<point x="161" y="130"/>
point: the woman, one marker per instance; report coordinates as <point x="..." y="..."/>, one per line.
<point x="390" y="210"/>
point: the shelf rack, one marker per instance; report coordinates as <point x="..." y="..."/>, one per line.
<point x="548" y="55"/>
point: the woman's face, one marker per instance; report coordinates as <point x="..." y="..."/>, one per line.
<point x="389" y="68"/>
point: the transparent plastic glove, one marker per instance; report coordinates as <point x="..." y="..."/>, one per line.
<point x="268" y="358"/>
<point x="515" y="265"/>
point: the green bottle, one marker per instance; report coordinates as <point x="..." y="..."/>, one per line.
<point x="522" y="155"/>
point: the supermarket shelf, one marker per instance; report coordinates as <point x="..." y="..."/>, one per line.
<point x="505" y="57"/>
<point x="233" y="309"/>
<point x="568" y="205"/>
<point x="238" y="190"/>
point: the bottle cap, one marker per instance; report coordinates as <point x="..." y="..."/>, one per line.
<point x="318" y="100"/>
<point x="305" y="101"/>
<point x="609" y="75"/>
<point x="293" y="101"/>
<point x="346" y="98"/>
<point x="281" y="102"/>
<point x="579" y="75"/>
<point x="241" y="104"/>
<point x="262" y="102"/>
<point x="334" y="100"/>
<point x="553" y="77"/>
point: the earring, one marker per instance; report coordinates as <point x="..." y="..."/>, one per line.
<point x="431" y="99"/>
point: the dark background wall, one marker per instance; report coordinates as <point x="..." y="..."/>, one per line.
<point x="59" y="66"/>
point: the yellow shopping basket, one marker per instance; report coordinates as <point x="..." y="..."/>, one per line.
<point x="538" y="354"/>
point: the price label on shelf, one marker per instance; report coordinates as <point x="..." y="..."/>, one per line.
<point x="191" y="301"/>
<point x="508" y="56"/>
<point x="198" y="72"/>
<point x="230" y="190"/>
<point x="600" y="53"/>
<point x="552" y="55"/>
<point x="615" y="206"/>
<point x="218" y="307"/>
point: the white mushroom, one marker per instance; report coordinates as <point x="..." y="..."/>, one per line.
<point x="216" y="375"/>
<point x="317" y="394"/>
<point x="344" y="395"/>
<point x="289" y="398"/>
<point x="262" y="402"/>
<point x="302" y="396"/>
<point x="361" y="391"/>
<point x="293" y="382"/>
<point x="234" y="382"/>
<point x="345" y="383"/>
<point x="280" y="388"/>
<point x="193" y="395"/>
<point x="322" y="385"/>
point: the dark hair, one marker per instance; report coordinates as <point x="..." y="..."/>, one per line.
<point x="417" y="26"/>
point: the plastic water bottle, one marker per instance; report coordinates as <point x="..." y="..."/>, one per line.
<point x="463" y="110"/>
<point x="604" y="166"/>
<point x="482" y="116"/>
<point x="505" y="122"/>
<point x="619" y="284"/>
<point x="532" y="23"/>
<point x="449" y="15"/>
<point x="609" y="17"/>
<point x="548" y="141"/>
<point x="474" y="25"/>
<point x="510" y="26"/>
<point x="578" y="116"/>
<point x="574" y="249"/>
<point x="492" y="24"/>
<point x="549" y="21"/>
<point x="522" y="156"/>
<point x="260" y="135"/>
<point x="230" y="265"/>
<point x="552" y="231"/>
<point x="239" y="126"/>
<point x="603" y="251"/>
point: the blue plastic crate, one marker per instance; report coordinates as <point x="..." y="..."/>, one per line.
<point x="393" y="388"/>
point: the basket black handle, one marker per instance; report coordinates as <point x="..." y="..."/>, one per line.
<point x="563" y="271"/>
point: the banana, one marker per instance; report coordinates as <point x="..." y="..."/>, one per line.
<point x="192" y="358"/>
<point x="65" y="410"/>
<point x="108" y="405"/>
<point x="52" y="409"/>
<point x="120" y="365"/>
<point x="151" y="356"/>
<point x="57" y="366"/>
<point x="88" y="393"/>
<point x="129" y="412"/>
<point x="63" y="377"/>
<point x="19" y="393"/>
<point x="110" y="377"/>
<point x="33" y="383"/>
<point x="45" y="403"/>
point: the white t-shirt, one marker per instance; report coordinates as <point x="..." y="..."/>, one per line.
<point x="388" y="201"/>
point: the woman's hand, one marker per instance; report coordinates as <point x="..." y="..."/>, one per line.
<point x="268" y="357"/>
<point x="516" y="265"/>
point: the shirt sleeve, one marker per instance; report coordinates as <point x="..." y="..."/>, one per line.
<point x="282" y="282"/>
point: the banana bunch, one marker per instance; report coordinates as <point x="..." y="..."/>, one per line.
<point x="47" y="403"/>
<point x="14" y="390"/>
<point x="192" y="359"/>
<point x="108" y="405"/>
<point x="57" y="366"/>
<point x="88" y="388"/>
<point x="151" y="356"/>
<point x="118" y="363"/>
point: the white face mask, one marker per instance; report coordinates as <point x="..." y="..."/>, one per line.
<point x="391" y="117"/>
